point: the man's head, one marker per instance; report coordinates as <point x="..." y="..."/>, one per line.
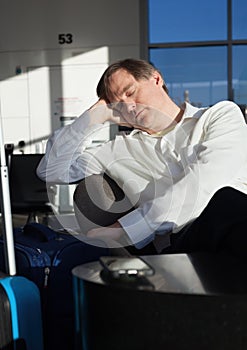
<point x="136" y="91"/>
<point x="139" y="69"/>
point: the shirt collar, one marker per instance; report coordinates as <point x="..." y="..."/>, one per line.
<point x="192" y="111"/>
<point x="189" y="112"/>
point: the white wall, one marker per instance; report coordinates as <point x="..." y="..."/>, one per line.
<point x="61" y="49"/>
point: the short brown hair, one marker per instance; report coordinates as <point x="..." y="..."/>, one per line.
<point x="140" y="69"/>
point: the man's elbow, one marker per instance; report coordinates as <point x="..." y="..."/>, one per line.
<point x="41" y="172"/>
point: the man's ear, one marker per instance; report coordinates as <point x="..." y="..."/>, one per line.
<point x="158" y="78"/>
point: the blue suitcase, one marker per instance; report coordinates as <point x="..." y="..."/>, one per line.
<point x="20" y="306"/>
<point x="20" y="314"/>
<point x="47" y="258"/>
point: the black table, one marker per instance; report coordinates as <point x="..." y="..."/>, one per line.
<point x="195" y="301"/>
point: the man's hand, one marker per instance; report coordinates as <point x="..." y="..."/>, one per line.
<point x="102" y="111"/>
<point x="113" y="232"/>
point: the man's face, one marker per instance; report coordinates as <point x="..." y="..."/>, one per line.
<point x="140" y="103"/>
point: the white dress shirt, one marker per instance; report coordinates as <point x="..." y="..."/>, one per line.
<point x="168" y="177"/>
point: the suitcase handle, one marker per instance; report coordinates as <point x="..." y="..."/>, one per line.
<point x="37" y="230"/>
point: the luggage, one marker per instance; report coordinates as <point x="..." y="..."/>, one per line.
<point x="20" y="307"/>
<point x="20" y="314"/>
<point x="44" y="260"/>
<point x="47" y="258"/>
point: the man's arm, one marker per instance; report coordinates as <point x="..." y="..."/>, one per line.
<point x="219" y="144"/>
<point x="63" y="160"/>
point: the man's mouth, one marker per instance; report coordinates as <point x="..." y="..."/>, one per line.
<point x="139" y="113"/>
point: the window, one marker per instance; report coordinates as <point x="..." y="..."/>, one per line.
<point x="240" y="74"/>
<point x="239" y="17"/>
<point x="200" y="73"/>
<point x="200" y="47"/>
<point x="193" y="20"/>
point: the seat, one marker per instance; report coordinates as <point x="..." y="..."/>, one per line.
<point x="29" y="195"/>
<point x="99" y="202"/>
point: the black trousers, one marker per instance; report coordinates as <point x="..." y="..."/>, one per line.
<point x="221" y="227"/>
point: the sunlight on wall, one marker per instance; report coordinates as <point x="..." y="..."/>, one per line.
<point x="34" y="101"/>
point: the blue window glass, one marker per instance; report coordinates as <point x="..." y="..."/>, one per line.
<point x="240" y="74"/>
<point x="197" y="74"/>
<point x="239" y="18"/>
<point x="191" y="20"/>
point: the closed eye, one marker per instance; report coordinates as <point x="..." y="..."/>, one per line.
<point x="130" y="93"/>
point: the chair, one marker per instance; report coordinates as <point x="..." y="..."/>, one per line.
<point x="99" y="201"/>
<point x="29" y="194"/>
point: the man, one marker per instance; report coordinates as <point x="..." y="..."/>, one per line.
<point x="170" y="166"/>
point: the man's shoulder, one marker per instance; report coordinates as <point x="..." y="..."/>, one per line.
<point x="224" y="112"/>
<point x="224" y="105"/>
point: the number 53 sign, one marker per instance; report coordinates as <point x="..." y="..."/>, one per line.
<point x="65" y="39"/>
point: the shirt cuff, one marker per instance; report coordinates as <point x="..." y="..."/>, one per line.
<point x="137" y="229"/>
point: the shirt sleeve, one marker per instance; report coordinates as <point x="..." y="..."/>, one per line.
<point x="215" y="158"/>
<point x="65" y="159"/>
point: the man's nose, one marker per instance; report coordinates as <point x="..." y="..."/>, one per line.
<point x="130" y="106"/>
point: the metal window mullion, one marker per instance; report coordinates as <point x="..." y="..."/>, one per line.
<point x="229" y="51"/>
